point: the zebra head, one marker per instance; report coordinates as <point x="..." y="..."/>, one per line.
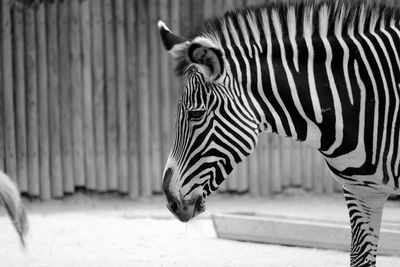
<point x="214" y="131"/>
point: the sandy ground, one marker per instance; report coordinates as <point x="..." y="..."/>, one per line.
<point x="110" y="231"/>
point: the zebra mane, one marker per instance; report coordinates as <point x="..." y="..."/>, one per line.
<point x="325" y="17"/>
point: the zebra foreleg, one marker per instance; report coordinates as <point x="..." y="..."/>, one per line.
<point x="365" y="211"/>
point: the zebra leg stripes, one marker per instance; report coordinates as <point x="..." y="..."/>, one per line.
<point x="365" y="211"/>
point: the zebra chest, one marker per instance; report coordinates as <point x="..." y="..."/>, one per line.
<point x="354" y="169"/>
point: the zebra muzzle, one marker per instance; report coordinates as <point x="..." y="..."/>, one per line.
<point x="187" y="211"/>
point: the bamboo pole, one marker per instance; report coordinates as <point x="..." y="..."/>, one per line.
<point x="133" y="124"/>
<point x="86" y="34"/>
<point x="156" y="170"/>
<point x="76" y="95"/>
<point x="32" y="105"/>
<point x="144" y="99"/>
<point x="8" y="87"/>
<point x="65" y="100"/>
<point x="111" y="95"/>
<point x="44" y="144"/>
<point x="98" y="94"/>
<point x="54" y="101"/>
<point x="122" y="97"/>
<point x="20" y="99"/>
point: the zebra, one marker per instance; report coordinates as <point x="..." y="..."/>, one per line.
<point x="10" y="198"/>
<point x="326" y="74"/>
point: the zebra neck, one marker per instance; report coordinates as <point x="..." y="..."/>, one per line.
<point x="294" y="65"/>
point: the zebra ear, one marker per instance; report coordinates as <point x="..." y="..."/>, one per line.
<point x="174" y="44"/>
<point x="207" y="57"/>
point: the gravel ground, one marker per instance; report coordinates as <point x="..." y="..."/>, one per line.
<point x="110" y="231"/>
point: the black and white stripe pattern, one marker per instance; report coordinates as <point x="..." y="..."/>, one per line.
<point x="327" y="74"/>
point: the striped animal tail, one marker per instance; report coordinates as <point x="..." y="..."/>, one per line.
<point x="11" y="199"/>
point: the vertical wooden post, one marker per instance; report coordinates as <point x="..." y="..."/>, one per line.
<point x="186" y="18"/>
<point x="276" y="166"/>
<point x="318" y="173"/>
<point x="219" y="8"/>
<point x="98" y="94"/>
<point x="122" y="97"/>
<point x="286" y="150"/>
<point x="111" y="95"/>
<point x="243" y="177"/>
<point x="76" y="95"/>
<point x="8" y="87"/>
<point x="197" y="12"/>
<point x="296" y="179"/>
<point x="208" y="8"/>
<point x="327" y="179"/>
<point x="1" y="94"/>
<point x="164" y="85"/>
<point x="32" y="105"/>
<point x="306" y="161"/>
<point x="87" y="89"/>
<point x="54" y="101"/>
<point x="254" y="173"/>
<point x="156" y="170"/>
<point x="44" y="145"/>
<point x="20" y="100"/>
<point x="144" y="99"/>
<point x="175" y="82"/>
<point x="173" y="91"/>
<point x="229" y="5"/>
<point x="133" y="123"/>
<point x="264" y="163"/>
<point x="65" y="101"/>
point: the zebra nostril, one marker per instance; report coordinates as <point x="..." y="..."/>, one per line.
<point x="173" y="206"/>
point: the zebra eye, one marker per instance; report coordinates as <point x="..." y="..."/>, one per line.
<point x="195" y="114"/>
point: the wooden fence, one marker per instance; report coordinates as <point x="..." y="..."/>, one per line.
<point x="88" y="100"/>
